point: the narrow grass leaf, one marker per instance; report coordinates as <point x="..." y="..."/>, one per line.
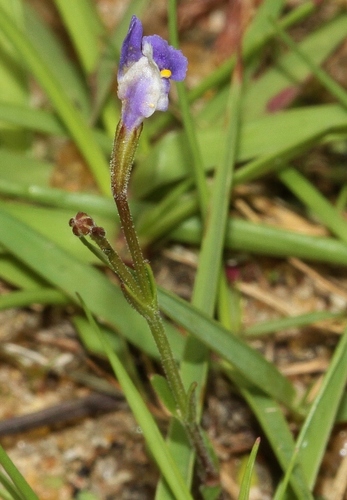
<point x="50" y="49"/>
<point x="154" y="439"/>
<point x="54" y="224"/>
<point x="59" y="198"/>
<point x="72" y="276"/>
<point x="71" y="117"/>
<point x="341" y="416"/>
<point x="195" y="362"/>
<point x="317" y="427"/>
<point x="184" y="454"/>
<point x="230" y="348"/>
<point x="315" y="201"/>
<point x="247" y="477"/>
<point x="11" y="492"/>
<point x="46" y="122"/>
<point x="290" y="70"/>
<point x="25" y="491"/>
<point x="5" y="496"/>
<point x="15" y="165"/>
<point x="275" y="427"/>
<point x="26" y="298"/>
<point x="273" y="136"/>
<point x="86" y="495"/>
<point x="263" y="239"/>
<point x="13" y="79"/>
<point x="277" y="325"/>
<point x="84" y="25"/>
<point x="17" y="274"/>
<point x="163" y="391"/>
<point x="331" y="85"/>
<point x="30" y="118"/>
<point x="92" y="342"/>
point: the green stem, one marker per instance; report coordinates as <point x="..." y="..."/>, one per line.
<point x="174" y="379"/>
<point x="139" y="262"/>
<point x="168" y="362"/>
<point x="115" y="262"/>
<point x="123" y="153"/>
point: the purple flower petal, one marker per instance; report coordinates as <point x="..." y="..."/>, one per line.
<point x="132" y="45"/>
<point x="167" y="57"/>
<point x="147" y="64"/>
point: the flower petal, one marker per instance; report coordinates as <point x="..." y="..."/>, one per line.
<point x="167" y="57"/>
<point x="131" y="48"/>
<point x="141" y="91"/>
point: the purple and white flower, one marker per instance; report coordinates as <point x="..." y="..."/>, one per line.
<point x="147" y="64"/>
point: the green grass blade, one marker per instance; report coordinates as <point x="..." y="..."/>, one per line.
<point x="264" y="140"/>
<point x="72" y="119"/>
<point x="17" y="274"/>
<point x="59" y="198"/>
<point x="316" y="430"/>
<point x="262" y="239"/>
<point x="183" y="453"/>
<point x="48" y="47"/>
<point x="276" y="429"/>
<point x="35" y="171"/>
<point x="82" y="21"/>
<point x="314" y="200"/>
<point x="277" y="325"/>
<point x="229" y="347"/>
<point x="53" y="223"/>
<point x="32" y="119"/>
<point x="331" y="85"/>
<point x="11" y="492"/>
<point x="145" y="420"/>
<point x="28" y="297"/>
<point x="6" y="496"/>
<point x="247" y="477"/>
<point x="13" y="79"/>
<point x="44" y="122"/>
<point x="70" y="275"/>
<point x="26" y="493"/>
<point x="290" y="70"/>
<point x="210" y="258"/>
<point x="341" y="416"/>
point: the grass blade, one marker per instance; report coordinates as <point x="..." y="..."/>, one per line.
<point x="71" y="276"/>
<point x="317" y="427"/>
<point x="273" y="423"/>
<point x="22" y="486"/>
<point x="313" y="199"/>
<point x="104" y="298"/>
<point x="247" y="477"/>
<point x="145" y="420"/>
<point x="49" y="49"/>
<point x="291" y="322"/>
<point x="230" y="348"/>
<point x="264" y="140"/>
<point x="85" y="28"/>
<point x="262" y="239"/>
<point x="72" y="119"/>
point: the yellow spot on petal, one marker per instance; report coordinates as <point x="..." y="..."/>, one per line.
<point x="165" y="73"/>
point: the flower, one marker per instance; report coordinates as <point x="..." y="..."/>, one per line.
<point x="147" y="64"/>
